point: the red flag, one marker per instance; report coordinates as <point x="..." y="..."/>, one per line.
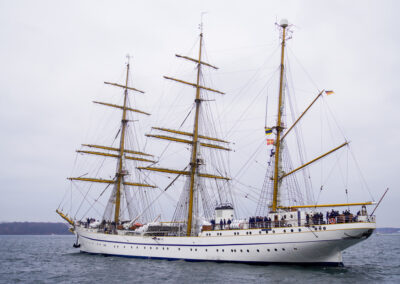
<point x="270" y="141"/>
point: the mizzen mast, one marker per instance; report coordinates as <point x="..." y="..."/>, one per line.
<point x="283" y="24"/>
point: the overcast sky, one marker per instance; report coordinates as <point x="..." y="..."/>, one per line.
<point x="55" y="55"/>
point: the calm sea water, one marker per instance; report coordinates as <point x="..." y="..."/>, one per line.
<point x="51" y="259"/>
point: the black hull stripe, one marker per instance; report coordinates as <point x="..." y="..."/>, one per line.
<point x="334" y="264"/>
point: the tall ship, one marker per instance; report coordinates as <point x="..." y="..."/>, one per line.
<point x="205" y="225"/>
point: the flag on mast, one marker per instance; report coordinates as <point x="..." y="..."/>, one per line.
<point x="329" y="92"/>
<point x="268" y="130"/>
<point x="270" y="141"/>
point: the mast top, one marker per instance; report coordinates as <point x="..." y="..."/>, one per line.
<point x="284" y="23"/>
<point x="128" y="58"/>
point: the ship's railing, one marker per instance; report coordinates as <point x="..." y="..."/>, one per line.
<point x="260" y="223"/>
<point x="341" y="219"/>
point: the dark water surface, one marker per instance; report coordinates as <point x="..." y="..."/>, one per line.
<point x="51" y="259"/>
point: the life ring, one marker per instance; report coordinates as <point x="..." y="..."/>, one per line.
<point x="332" y="221"/>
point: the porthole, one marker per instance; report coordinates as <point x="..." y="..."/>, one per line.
<point x="137" y="247"/>
<point x="291" y="230"/>
<point x="179" y="248"/>
<point x="167" y="248"/>
<point x="275" y="250"/>
<point x="268" y="249"/>
<point x="259" y="232"/>
<point x="324" y="228"/>
<point x="299" y="230"/>
<point x="284" y="231"/>
<point x="273" y="231"/>
<point x="191" y="249"/>
<point x="150" y="247"/>
<point x="283" y="248"/>
<point x="247" y="233"/>
<point x="258" y="250"/>
<point x="241" y="250"/>
<point x="250" y="233"/>
<point x="195" y="249"/>
<point x="206" y="250"/>
<point x="144" y="247"/>
<point x="248" y="251"/>
<point x="231" y="250"/>
<point x="217" y="250"/>
<point x="223" y="250"/>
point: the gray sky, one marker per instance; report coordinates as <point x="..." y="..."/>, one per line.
<point x="55" y="55"/>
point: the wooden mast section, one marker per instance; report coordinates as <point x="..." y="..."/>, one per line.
<point x="279" y="128"/>
<point x="121" y="173"/>
<point x="119" y="179"/>
<point x="193" y="162"/>
<point x="195" y="140"/>
<point x="279" y="140"/>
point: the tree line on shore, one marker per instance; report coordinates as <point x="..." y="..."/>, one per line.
<point x="33" y="228"/>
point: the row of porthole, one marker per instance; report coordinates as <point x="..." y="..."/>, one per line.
<point x="260" y="232"/>
<point x="217" y="250"/>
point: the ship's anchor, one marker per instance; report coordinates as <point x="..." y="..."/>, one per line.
<point x="77" y="244"/>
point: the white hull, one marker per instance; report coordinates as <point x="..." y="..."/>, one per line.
<point x="320" y="244"/>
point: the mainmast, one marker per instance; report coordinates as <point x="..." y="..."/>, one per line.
<point x="279" y="128"/>
<point x="193" y="173"/>
<point x="194" y="161"/>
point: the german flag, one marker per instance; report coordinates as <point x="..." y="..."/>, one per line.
<point x="329" y="92"/>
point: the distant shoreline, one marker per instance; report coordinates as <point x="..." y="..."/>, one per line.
<point x="58" y="228"/>
<point x="33" y="228"/>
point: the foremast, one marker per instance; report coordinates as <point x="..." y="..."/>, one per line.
<point x="121" y="172"/>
